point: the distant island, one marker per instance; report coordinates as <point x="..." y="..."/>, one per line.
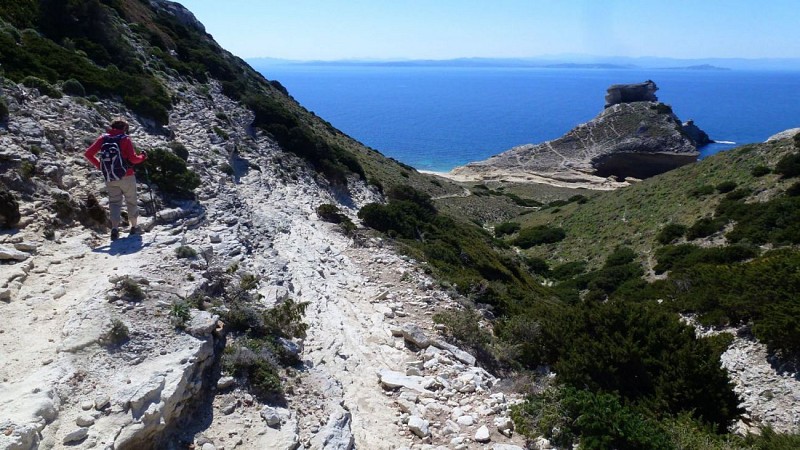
<point x="556" y="62"/>
<point x="697" y="67"/>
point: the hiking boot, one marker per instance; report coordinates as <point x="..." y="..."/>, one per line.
<point x="135" y="230"/>
<point x="114" y="234"/>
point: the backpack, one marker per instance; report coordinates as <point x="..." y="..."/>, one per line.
<point x="112" y="164"/>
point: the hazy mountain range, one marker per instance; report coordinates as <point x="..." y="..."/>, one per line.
<point x="559" y="61"/>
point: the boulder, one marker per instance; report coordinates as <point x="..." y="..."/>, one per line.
<point x="202" y="323"/>
<point x="11" y="254"/>
<point x="415" y="335"/>
<point x="482" y="435"/>
<point x="419" y="426"/>
<point x="76" y="436"/>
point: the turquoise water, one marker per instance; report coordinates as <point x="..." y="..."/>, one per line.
<point x="439" y="118"/>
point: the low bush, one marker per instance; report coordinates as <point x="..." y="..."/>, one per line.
<point x="73" y="87"/>
<point x="130" y="289"/>
<point x="705" y="227"/>
<point x="597" y="421"/>
<point x="760" y="170"/>
<point x="788" y="166"/>
<point x="9" y="209"/>
<point x="226" y="169"/>
<point x="255" y="363"/>
<point x="42" y="86"/>
<point x="568" y="270"/>
<point x="185" y="251"/>
<point x="538" y="266"/>
<point x="117" y="333"/>
<point x="179" y="314"/>
<point x="761" y="291"/>
<point x="701" y="191"/>
<point x="170" y="173"/>
<point x="726" y="186"/>
<point x="180" y="150"/>
<point x="538" y="235"/>
<point x="670" y="233"/>
<point x="687" y="255"/>
<point x="3" y="110"/>
<point x="463" y="325"/>
<point x="642" y="352"/>
<point x="506" y="228"/>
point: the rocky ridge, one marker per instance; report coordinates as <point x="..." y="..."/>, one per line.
<point x="627" y="140"/>
<point x="375" y="373"/>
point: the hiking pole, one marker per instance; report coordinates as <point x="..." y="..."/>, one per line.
<point x="150" y="188"/>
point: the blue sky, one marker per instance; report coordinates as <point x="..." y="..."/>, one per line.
<point x="443" y="29"/>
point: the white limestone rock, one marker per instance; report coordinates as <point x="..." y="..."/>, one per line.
<point x="419" y="426"/>
<point x="482" y="435"/>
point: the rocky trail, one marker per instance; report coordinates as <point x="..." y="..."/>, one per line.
<point x="375" y="374"/>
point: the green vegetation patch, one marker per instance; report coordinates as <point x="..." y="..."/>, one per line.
<point x="170" y="173"/>
<point x="461" y="253"/>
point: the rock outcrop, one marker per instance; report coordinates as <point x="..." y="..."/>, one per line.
<point x="631" y="138"/>
<point x="697" y="135"/>
<point x="630" y="93"/>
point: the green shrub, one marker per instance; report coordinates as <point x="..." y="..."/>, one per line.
<point x="760" y="170"/>
<point x="226" y="169"/>
<point x="538" y="266"/>
<point x="9" y="209"/>
<point x="538" y="235"/>
<point x="180" y="150"/>
<point x="701" y="191"/>
<point x="670" y="233"/>
<point x="768" y="439"/>
<point x="184" y="251"/>
<point x="329" y="213"/>
<point x="568" y="270"/>
<point x="117" y="334"/>
<point x="254" y="361"/>
<point x="170" y="173"/>
<point x="687" y="255"/>
<point x="130" y="289"/>
<point x="726" y="186"/>
<point x="507" y="228"/>
<point x="27" y="169"/>
<point x="3" y="110"/>
<point x="643" y="353"/>
<point x="597" y="420"/>
<point x="788" y="166"/>
<point x="620" y="256"/>
<point x="464" y="326"/>
<point x="220" y="132"/>
<point x="776" y="221"/>
<point x="179" y="314"/>
<point x="705" y="227"/>
<point x="793" y="190"/>
<point x="44" y="87"/>
<point x="761" y="291"/>
<point x="73" y="87"/>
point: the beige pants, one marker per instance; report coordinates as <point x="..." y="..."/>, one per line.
<point x="116" y="190"/>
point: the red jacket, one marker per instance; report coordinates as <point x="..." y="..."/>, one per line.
<point x="125" y="146"/>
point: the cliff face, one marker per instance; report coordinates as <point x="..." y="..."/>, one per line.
<point x="635" y="139"/>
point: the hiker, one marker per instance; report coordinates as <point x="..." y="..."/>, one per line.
<point x="117" y="157"/>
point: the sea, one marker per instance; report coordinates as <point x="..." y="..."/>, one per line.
<point x="437" y="118"/>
